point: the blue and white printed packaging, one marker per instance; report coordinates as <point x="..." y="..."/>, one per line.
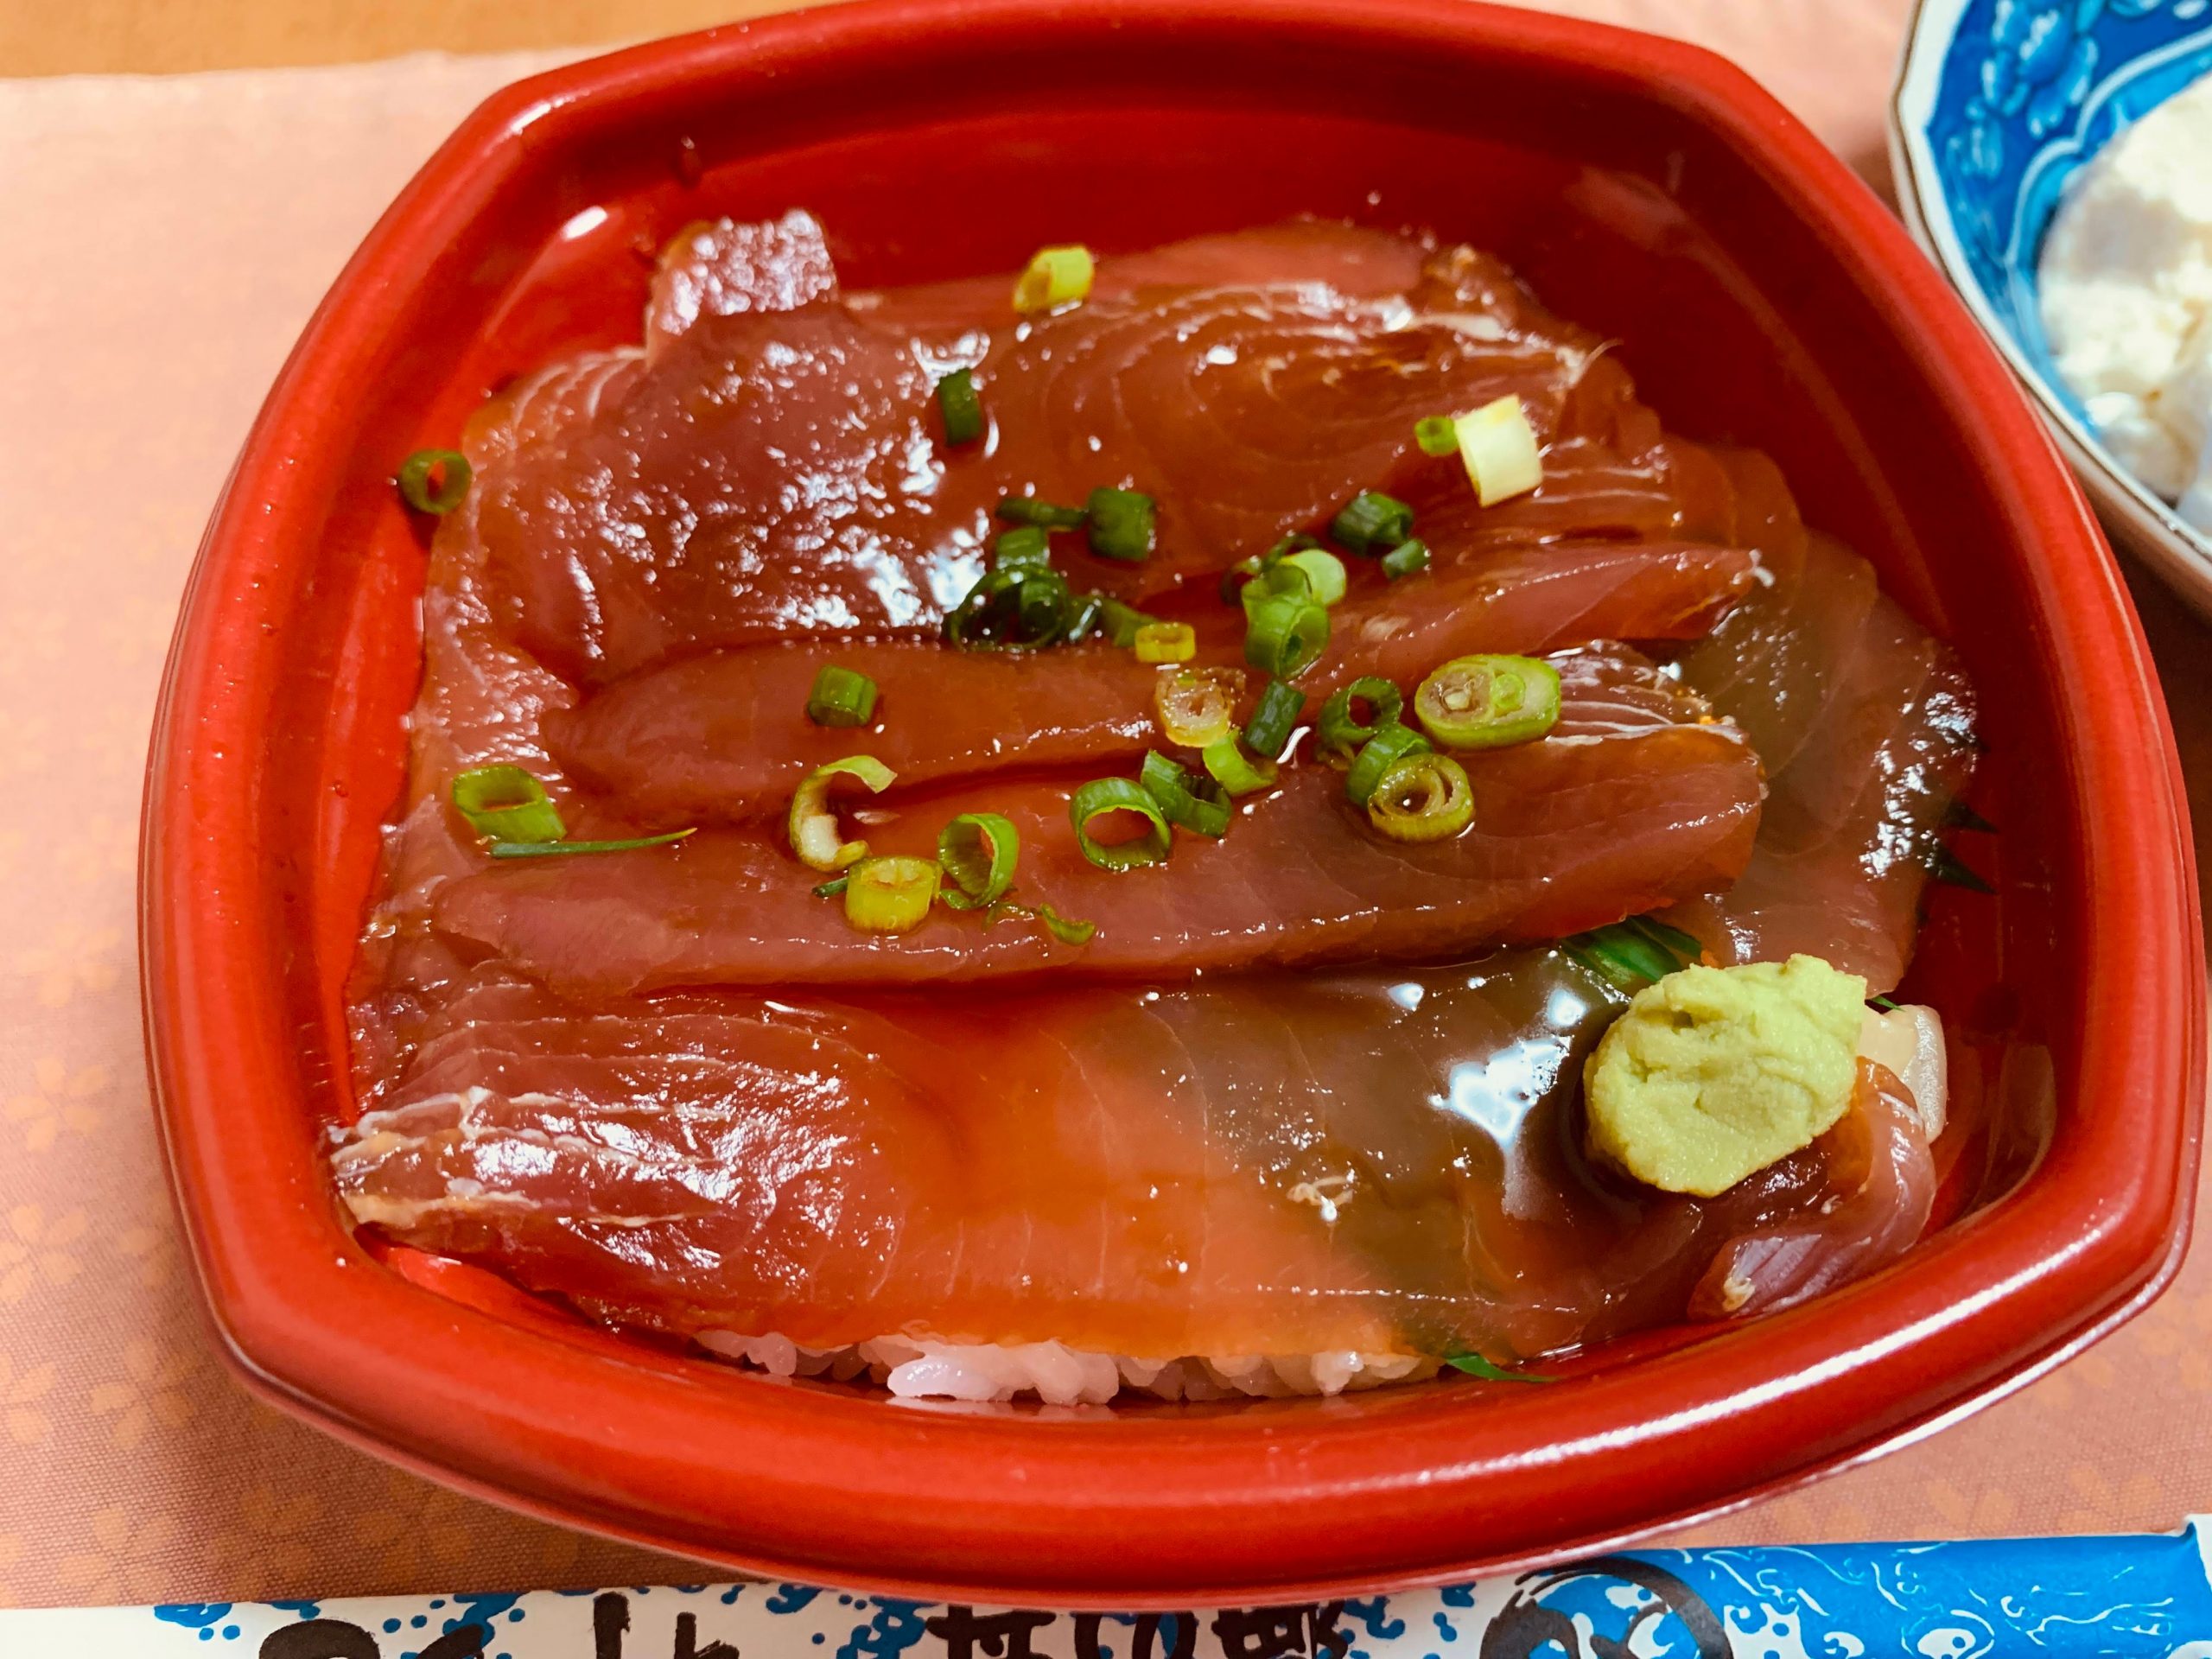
<point x="2125" y="1597"/>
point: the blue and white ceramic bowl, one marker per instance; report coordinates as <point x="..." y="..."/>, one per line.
<point x="1998" y="103"/>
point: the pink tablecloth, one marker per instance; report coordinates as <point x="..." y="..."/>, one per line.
<point x="161" y="244"/>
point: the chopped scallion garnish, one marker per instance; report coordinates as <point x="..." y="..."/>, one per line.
<point x="842" y="696"/>
<point x="1371" y="522"/>
<point x="1341" y="728"/>
<point x="1028" y="510"/>
<point x="1886" y="1004"/>
<point x="1629" y="954"/>
<point x="1118" y="623"/>
<point x="1029" y="545"/>
<point x="830" y="889"/>
<point x="813" y="824"/>
<point x="1476" y="1365"/>
<point x="1405" y="558"/>
<point x="1188" y="803"/>
<point x="962" y="410"/>
<point x="1422" y="797"/>
<point x="1284" y="632"/>
<point x="1381" y="752"/>
<point x="1240" y="773"/>
<point x="1067" y="931"/>
<point x="1106" y="797"/>
<point x="434" y="480"/>
<point x="1082" y="614"/>
<point x="1488" y="701"/>
<point x="889" y="895"/>
<point x="507" y="803"/>
<point x="1324" y="570"/>
<point x="1014" y="608"/>
<point x="1054" y="277"/>
<point x="1119" y="524"/>
<point x="978" y="851"/>
<point x="1499" y="448"/>
<point x="1195" y="706"/>
<point x="550" y="848"/>
<point x="1272" y="721"/>
<point x="1436" y="435"/>
<point x="1165" y="642"/>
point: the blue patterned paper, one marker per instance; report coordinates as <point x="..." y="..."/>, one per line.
<point x="2126" y="1597"/>
<point x="2029" y="90"/>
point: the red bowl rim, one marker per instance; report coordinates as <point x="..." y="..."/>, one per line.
<point x="786" y="1481"/>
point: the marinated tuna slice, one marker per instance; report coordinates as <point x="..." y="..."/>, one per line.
<point x="780" y="464"/>
<point x="1866" y="725"/>
<point x="726" y="735"/>
<point x="1638" y="800"/>
<point x="1367" y="1163"/>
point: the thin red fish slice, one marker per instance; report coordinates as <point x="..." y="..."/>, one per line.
<point x="1367" y="1163"/>
<point x="1638" y="801"/>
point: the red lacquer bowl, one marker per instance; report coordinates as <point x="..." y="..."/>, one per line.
<point x="1762" y="295"/>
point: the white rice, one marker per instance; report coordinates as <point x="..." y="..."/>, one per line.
<point x="925" y="1368"/>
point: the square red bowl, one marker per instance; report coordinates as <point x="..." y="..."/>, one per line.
<point x="1762" y="294"/>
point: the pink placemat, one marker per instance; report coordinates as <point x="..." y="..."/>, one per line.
<point x="162" y="241"/>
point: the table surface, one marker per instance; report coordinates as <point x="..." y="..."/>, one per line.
<point x="135" y="1471"/>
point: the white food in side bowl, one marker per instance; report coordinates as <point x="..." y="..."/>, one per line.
<point x="2126" y="279"/>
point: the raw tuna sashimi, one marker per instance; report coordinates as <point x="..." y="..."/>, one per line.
<point x="1638" y="800"/>
<point x="1367" y="1162"/>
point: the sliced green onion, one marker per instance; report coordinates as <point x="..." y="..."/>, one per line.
<point x="1499" y="448"/>
<point x="1240" y="773"/>
<point x="1341" y="730"/>
<point x="1194" y="706"/>
<point x="1016" y="608"/>
<point x="1118" y="623"/>
<point x="1201" y="808"/>
<point x="1067" y="931"/>
<point x="1405" y="558"/>
<point x="1028" y="510"/>
<point x="842" y="696"/>
<point x="1285" y="632"/>
<point x="1105" y="796"/>
<point x="506" y="803"/>
<point x="1272" y="723"/>
<point x="1082" y="614"/>
<point x="1886" y="1004"/>
<point x="978" y="851"/>
<point x="1488" y="701"/>
<point x="1424" y="797"/>
<point x="889" y="895"/>
<point x="1053" y="278"/>
<point x="1631" y="955"/>
<point x="830" y="889"/>
<point x="549" y="848"/>
<point x="1476" y="1365"/>
<point x="413" y="478"/>
<point x="1436" y="435"/>
<point x="1165" y="642"/>
<point x="1119" y="524"/>
<point x="1028" y="545"/>
<point x="962" y="410"/>
<point x="1324" y="570"/>
<point x="1371" y="522"/>
<point x="813" y="824"/>
<point x="1381" y="752"/>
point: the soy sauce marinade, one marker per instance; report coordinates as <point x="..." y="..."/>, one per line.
<point x="1121" y="1033"/>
